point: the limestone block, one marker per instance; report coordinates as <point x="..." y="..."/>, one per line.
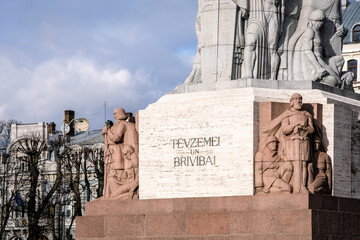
<point x="202" y="116"/>
<point x="229" y="120"/>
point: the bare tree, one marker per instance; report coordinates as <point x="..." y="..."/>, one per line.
<point x="9" y="190"/>
<point x="11" y="179"/>
<point x="5" y="128"/>
<point x="31" y="147"/>
<point x="96" y="157"/>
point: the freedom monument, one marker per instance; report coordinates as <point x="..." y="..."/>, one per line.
<point x="262" y="141"/>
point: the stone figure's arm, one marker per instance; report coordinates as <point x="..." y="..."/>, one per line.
<point x="311" y="172"/>
<point x="282" y="16"/>
<point x="116" y="133"/>
<point x="340" y="30"/>
<point x="104" y="131"/>
<point x="286" y="127"/>
<point x="329" y="171"/>
<point x="309" y="52"/>
<point x="310" y="128"/>
<point x="244" y="9"/>
<point x="259" y="183"/>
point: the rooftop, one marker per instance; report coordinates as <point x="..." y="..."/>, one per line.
<point x="351" y="16"/>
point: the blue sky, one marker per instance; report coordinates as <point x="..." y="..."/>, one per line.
<point x="77" y="54"/>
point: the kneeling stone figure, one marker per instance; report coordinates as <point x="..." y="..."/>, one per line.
<point x="272" y="173"/>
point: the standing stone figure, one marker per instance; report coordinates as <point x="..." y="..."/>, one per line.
<point x="262" y="38"/>
<point x="335" y="31"/>
<point x="271" y="172"/>
<point x="297" y="126"/>
<point x="121" y="158"/>
<point x="291" y="12"/>
<point x="256" y="51"/>
<point x="274" y="18"/>
<point x="319" y="171"/>
<point x="242" y="14"/>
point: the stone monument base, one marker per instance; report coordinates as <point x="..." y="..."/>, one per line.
<point x="293" y="217"/>
<point x="202" y="144"/>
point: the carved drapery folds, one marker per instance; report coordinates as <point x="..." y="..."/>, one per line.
<point x="292" y="157"/>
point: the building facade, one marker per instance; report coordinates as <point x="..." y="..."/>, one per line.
<point x="351" y="47"/>
<point x="79" y="153"/>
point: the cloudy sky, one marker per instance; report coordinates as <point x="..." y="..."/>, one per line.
<point x="77" y="54"/>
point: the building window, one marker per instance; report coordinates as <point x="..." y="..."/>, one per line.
<point x="352" y="67"/>
<point x="356" y="33"/>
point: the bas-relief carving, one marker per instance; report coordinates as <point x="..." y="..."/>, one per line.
<point x="272" y="173"/>
<point x="307" y="59"/>
<point x="261" y="39"/>
<point x="320" y="172"/>
<point x="300" y="163"/>
<point x="121" y="158"/>
<point x="286" y="40"/>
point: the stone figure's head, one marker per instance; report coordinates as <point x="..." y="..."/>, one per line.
<point x="296" y="101"/>
<point x="271" y="142"/>
<point x="119" y="114"/>
<point x="317" y="18"/>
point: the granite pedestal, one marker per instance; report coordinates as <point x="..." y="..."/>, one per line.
<point x="292" y="217"/>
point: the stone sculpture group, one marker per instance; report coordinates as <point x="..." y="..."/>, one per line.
<point x="285" y="40"/>
<point x="289" y="40"/>
<point x="301" y="163"/>
<point x="121" y="158"/>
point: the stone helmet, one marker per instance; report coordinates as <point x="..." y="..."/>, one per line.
<point x="120" y="112"/>
<point x="271" y="139"/>
<point x="295" y="95"/>
<point x="317" y="15"/>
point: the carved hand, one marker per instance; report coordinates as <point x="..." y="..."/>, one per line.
<point x="340" y="30"/>
<point x="296" y="129"/>
<point x="244" y="13"/>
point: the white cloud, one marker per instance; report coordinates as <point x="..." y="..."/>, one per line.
<point x="58" y="56"/>
<point x="75" y="83"/>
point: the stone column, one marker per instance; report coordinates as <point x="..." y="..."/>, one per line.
<point x="217" y="34"/>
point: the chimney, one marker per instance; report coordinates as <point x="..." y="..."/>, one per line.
<point x="52" y="128"/>
<point x="69" y="117"/>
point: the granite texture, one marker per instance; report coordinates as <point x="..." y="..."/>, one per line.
<point x="283" y="216"/>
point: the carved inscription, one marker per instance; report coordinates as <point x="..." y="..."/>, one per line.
<point x="196" y="156"/>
